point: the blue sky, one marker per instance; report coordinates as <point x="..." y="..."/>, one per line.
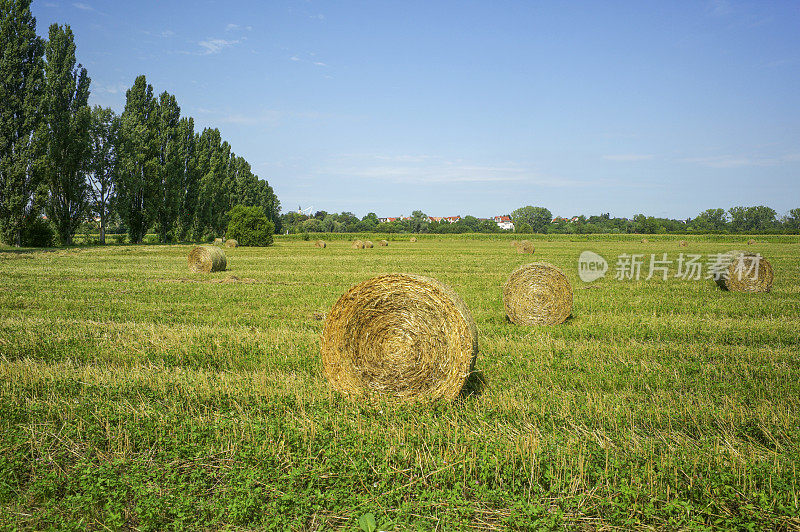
<point x="663" y="108"/>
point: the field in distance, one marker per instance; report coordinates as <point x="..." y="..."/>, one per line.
<point x="137" y="395"/>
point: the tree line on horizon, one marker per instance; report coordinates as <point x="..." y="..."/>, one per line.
<point x="529" y="219"/>
<point x="63" y="163"/>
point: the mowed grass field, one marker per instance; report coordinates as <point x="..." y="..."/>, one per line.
<point x="135" y="395"/>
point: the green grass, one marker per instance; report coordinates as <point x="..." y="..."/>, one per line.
<point x="136" y="395"/>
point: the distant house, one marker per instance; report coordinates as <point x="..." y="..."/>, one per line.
<point x="504" y="222"/>
<point x="385" y="220"/>
<point x="451" y="219"/>
<point x="435" y="218"/>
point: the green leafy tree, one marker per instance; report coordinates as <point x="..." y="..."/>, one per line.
<point x="249" y="226"/>
<point x="137" y="179"/>
<point x="21" y="88"/>
<point x="170" y="167"/>
<point x="67" y="123"/>
<point x="188" y="189"/>
<point x="537" y="217"/>
<point x="712" y="219"/>
<point x="103" y="135"/>
<point x="792" y="220"/>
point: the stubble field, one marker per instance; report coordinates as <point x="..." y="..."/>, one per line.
<point x="137" y="395"/>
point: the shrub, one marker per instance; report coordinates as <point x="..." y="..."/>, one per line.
<point x="38" y="233"/>
<point x="250" y="226"/>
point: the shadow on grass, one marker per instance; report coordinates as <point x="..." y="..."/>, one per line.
<point x="474" y="386"/>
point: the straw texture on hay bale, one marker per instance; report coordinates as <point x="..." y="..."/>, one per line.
<point x="383" y="243"/>
<point x="404" y="336"/>
<point x="231" y="243"/>
<point x="217" y="241"/>
<point x="413" y="239"/>
<point x="207" y="259"/>
<point x="320" y="244"/>
<point x="747" y="272"/>
<point x="537" y="294"/>
<point x="524" y="246"/>
<point x="368" y="244"/>
<point x="357" y="244"/>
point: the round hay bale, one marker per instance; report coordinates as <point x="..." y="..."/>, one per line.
<point x="682" y="243"/>
<point x="383" y="243"/>
<point x="217" y="241"/>
<point x="320" y="244"/>
<point x="413" y="239"/>
<point x="231" y="243"/>
<point x="357" y="244"/>
<point x="404" y="336"/>
<point x="368" y="244"/>
<point x="537" y="293"/>
<point x="525" y="246"/>
<point x="207" y="259"/>
<point x="751" y="242"/>
<point x="747" y="272"/>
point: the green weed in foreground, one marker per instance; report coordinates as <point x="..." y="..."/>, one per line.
<point x="135" y="395"/>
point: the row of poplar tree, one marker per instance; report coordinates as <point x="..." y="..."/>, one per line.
<point x="146" y="167"/>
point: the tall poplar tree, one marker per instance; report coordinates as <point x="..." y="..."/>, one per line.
<point x="21" y="80"/>
<point x="188" y="189"/>
<point x="137" y="178"/>
<point x="104" y="135"/>
<point x="170" y="169"/>
<point x="67" y="120"/>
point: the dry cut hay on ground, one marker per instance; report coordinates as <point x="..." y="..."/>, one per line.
<point x="645" y="241"/>
<point x="682" y="243"/>
<point x="231" y="243"/>
<point x="368" y="244"/>
<point x="413" y="239"/>
<point x="217" y="241"/>
<point x="751" y="242"/>
<point x="399" y="335"/>
<point x="207" y="259"/>
<point x="524" y="246"/>
<point x="357" y="244"/>
<point x="383" y="243"/>
<point x="537" y="294"/>
<point x="747" y="272"/>
<point x="320" y="244"/>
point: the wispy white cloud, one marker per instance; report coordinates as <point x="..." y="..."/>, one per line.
<point x="50" y="4"/>
<point x="231" y="27"/>
<point x="739" y="161"/>
<point x="82" y="6"/>
<point x="428" y="169"/>
<point x="167" y="33"/>
<point x="628" y="157"/>
<point x="294" y="58"/>
<point x="215" y="46"/>
<point x="319" y="63"/>
<point x="111" y="88"/>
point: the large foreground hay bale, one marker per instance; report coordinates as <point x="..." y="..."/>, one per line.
<point x="207" y="259"/>
<point x="357" y="244"/>
<point x="231" y="243"/>
<point x="537" y="294"/>
<point x="747" y="272"/>
<point x="413" y="239"/>
<point x="217" y="241"/>
<point x="524" y="246"/>
<point x="383" y="243"/>
<point x="405" y="336"/>
<point x="320" y="244"/>
<point x="368" y="244"/>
